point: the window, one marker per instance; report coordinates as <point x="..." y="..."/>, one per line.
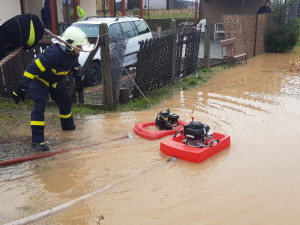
<point x="141" y="27"/>
<point x="91" y="30"/>
<point x="128" y="29"/>
<point x="114" y="31"/>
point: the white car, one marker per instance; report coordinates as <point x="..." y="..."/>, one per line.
<point x="132" y="29"/>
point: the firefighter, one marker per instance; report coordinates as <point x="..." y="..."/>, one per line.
<point x="45" y="75"/>
<point x="80" y="12"/>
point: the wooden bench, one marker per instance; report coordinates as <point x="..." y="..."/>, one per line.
<point x="233" y="57"/>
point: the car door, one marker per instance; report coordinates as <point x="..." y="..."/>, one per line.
<point x="140" y="32"/>
<point x="132" y="45"/>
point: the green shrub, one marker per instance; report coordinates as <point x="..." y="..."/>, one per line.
<point x="281" y="39"/>
<point x="283" y="35"/>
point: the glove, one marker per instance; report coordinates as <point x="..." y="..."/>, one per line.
<point x="79" y="86"/>
<point x="19" y="94"/>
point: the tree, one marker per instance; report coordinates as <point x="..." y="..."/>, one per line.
<point x="283" y="35"/>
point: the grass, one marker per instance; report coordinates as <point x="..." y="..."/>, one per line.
<point x="293" y="65"/>
<point x="141" y="103"/>
<point x="169" y="14"/>
<point x="155" y="97"/>
<point x="159" y="14"/>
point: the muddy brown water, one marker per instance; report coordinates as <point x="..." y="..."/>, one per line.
<point x="255" y="181"/>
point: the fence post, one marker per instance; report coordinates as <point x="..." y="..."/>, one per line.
<point x="158" y="32"/>
<point x="173" y="26"/>
<point x="207" y="44"/>
<point x="105" y="65"/>
<point x="85" y="67"/>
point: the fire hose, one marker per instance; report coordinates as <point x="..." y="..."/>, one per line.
<point x="49" y="154"/>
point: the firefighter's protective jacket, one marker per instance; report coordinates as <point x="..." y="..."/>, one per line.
<point x="20" y="31"/>
<point x="52" y="65"/>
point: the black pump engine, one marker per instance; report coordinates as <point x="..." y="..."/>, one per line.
<point x="197" y="134"/>
<point x="166" y="120"/>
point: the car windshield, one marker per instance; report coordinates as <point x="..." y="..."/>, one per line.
<point x="91" y="30"/>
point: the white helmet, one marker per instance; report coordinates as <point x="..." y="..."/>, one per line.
<point x="75" y="36"/>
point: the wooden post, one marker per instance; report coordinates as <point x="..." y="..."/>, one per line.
<point x="123" y="7"/>
<point x="158" y="32"/>
<point x="173" y="27"/>
<point x="111" y="7"/>
<point x="207" y="44"/>
<point x="255" y="35"/>
<point x="105" y="65"/>
<point x="196" y="12"/>
<point x="85" y="67"/>
<point x="141" y="9"/>
<point x="104" y="7"/>
<point x="75" y="16"/>
<point x="67" y="11"/>
<point x="53" y="16"/>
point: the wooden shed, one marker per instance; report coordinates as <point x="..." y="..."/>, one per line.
<point x="216" y="8"/>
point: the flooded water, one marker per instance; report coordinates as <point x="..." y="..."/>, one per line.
<point x="129" y="181"/>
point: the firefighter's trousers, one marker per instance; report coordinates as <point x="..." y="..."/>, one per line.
<point x="39" y="94"/>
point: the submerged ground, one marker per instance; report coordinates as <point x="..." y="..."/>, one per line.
<point x="129" y="181"/>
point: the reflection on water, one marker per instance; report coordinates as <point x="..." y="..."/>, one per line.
<point x="255" y="181"/>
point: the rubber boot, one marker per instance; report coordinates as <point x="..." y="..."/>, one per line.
<point x="42" y="146"/>
<point x="67" y="124"/>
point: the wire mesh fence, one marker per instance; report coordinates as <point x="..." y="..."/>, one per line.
<point x="131" y="65"/>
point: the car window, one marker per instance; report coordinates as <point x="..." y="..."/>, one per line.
<point x="128" y="29"/>
<point x="114" y="31"/>
<point x="91" y="30"/>
<point x="141" y="27"/>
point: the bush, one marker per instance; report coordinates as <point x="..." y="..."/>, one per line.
<point x="283" y="36"/>
<point x="281" y="39"/>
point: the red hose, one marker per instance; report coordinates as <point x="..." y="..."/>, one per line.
<point x="39" y="156"/>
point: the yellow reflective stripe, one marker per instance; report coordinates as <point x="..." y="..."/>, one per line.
<point x="45" y="82"/>
<point x="39" y="65"/>
<point x="54" y="85"/>
<point x="37" y="123"/>
<point x="29" y="75"/>
<point x="31" y="38"/>
<point x="60" y="73"/>
<point x="14" y="93"/>
<point x="65" y="116"/>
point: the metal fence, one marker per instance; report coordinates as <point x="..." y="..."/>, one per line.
<point x="157" y="62"/>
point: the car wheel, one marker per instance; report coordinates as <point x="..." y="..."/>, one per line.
<point x="93" y="74"/>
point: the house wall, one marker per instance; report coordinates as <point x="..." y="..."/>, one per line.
<point x="153" y="4"/>
<point x="216" y="8"/>
<point x="60" y="16"/>
<point x="89" y="7"/>
<point x="33" y="6"/>
<point x="9" y="9"/>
